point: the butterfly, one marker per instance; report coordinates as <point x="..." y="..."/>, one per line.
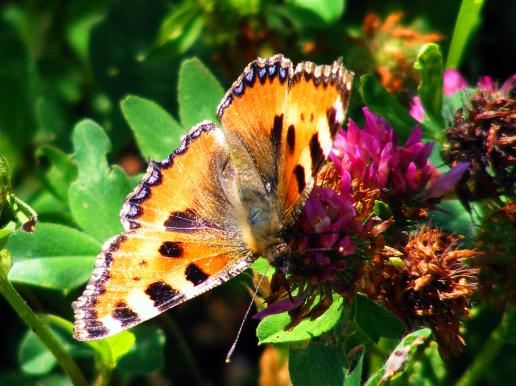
<point x="222" y="199"/>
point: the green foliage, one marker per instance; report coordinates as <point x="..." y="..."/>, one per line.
<point x="401" y="356"/>
<point x="374" y="320"/>
<point x="468" y="21"/>
<point x="272" y="328"/>
<point x="313" y="13"/>
<point x="198" y="91"/>
<point x="55" y="256"/>
<point x="317" y="365"/>
<point x="155" y="131"/>
<point x="382" y="103"/>
<point x="429" y="64"/>
<point x="100" y="190"/>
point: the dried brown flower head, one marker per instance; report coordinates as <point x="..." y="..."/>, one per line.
<point x="427" y="283"/>
<point x="484" y="134"/>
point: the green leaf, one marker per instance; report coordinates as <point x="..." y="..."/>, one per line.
<point x="354" y="378"/>
<point x="400" y="357"/>
<point x="96" y="197"/>
<point x="272" y="328"/>
<point x="62" y="171"/>
<point x="374" y="320"/>
<point x="317" y="365"/>
<point x="382" y="103"/>
<point x="316" y="13"/>
<point x="157" y="133"/>
<point x="109" y="350"/>
<point x="199" y="93"/>
<point x="468" y="20"/>
<point x="262" y="266"/>
<point x="54" y="256"/>
<point x="382" y="210"/>
<point x="179" y="27"/>
<point x="429" y="64"/>
<point x="147" y="355"/>
<point x="34" y="357"/>
<point x="112" y="349"/>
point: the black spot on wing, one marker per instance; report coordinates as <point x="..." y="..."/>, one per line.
<point x="161" y="293"/>
<point x="277" y="129"/>
<point x="299" y="172"/>
<point x="331" y="114"/>
<point x="291" y="138"/>
<point x="185" y="221"/>
<point x="195" y="275"/>
<point x="316" y="153"/>
<point x="95" y="329"/>
<point x="171" y="249"/>
<point x="124" y="314"/>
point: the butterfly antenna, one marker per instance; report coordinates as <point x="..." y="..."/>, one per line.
<point x="233" y="346"/>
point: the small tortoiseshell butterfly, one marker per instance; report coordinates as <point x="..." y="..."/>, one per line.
<point x="222" y="199"/>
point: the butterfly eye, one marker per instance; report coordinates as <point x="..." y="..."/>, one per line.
<point x="255" y="216"/>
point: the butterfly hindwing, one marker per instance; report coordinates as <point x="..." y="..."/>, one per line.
<point x="179" y="241"/>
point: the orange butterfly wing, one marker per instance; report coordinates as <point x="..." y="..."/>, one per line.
<point x="287" y="120"/>
<point x="178" y="243"/>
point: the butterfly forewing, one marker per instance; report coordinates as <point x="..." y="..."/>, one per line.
<point x="179" y="240"/>
<point x="316" y="106"/>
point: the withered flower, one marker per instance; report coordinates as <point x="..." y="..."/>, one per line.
<point x="484" y="134"/>
<point x="426" y="283"/>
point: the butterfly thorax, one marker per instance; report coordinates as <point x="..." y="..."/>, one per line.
<point x="260" y="221"/>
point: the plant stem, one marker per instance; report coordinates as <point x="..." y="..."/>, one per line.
<point x="482" y="361"/>
<point x="41" y="330"/>
<point x="193" y="368"/>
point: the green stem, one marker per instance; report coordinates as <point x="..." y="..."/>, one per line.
<point x="182" y="346"/>
<point x="41" y="330"/>
<point x="104" y="376"/>
<point x="482" y="362"/>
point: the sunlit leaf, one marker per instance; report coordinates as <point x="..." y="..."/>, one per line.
<point x="429" y="64"/>
<point x="199" y="93"/>
<point x="272" y="328"/>
<point x="97" y="195"/>
<point x="467" y="22"/>
<point x="157" y="133"/>
<point x="54" y="256"/>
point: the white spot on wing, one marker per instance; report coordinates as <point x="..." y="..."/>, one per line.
<point x="140" y="303"/>
<point x="111" y="324"/>
<point x="339" y="111"/>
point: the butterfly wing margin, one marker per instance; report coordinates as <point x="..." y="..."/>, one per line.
<point x="139" y="274"/>
<point x="180" y="228"/>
